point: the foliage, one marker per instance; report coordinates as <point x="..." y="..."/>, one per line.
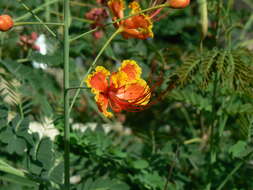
<point x="198" y="135"/>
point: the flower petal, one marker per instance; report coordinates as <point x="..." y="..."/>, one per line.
<point x="136" y="93"/>
<point x="118" y="80"/>
<point x="132" y="70"/>
<point x="115" y="103"/>
<point x="117" y="7"/>
<point x="139" y="26"/>
<point x="135" y="7"/>
<point x="98" y="80"/>
<point x="102" y="103"/>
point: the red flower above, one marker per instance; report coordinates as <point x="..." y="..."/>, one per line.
<point x="138" y="26"/>
<point x="121" y="90"/>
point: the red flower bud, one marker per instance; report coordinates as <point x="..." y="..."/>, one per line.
<point x="179" y="4"/>
<point x="6" y="23"/>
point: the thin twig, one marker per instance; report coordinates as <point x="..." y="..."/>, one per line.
<point x="171" y="169"/>
<point x="31" y="11"/>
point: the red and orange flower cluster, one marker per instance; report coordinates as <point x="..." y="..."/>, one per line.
<point x="121" y="90"/>
<point x="137" y="26"/>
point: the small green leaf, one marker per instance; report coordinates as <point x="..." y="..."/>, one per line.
<point x="140" y="164"/>
<point x="45" y="153"/>
<point x="238" y="149"/>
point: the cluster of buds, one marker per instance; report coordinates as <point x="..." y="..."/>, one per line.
<point x="29" y="41"/>
<point x="98" y="16"/>
<point x="6" y="23"/>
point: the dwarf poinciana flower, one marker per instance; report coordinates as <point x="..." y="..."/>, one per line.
<point x="121" y="90"/>
<point x="98" y="15"/>
<point x="138" y="26"/>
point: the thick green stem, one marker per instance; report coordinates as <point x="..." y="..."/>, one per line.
<point x="93" y="64"/>
<point x="66" y="95"/>
<point x="213" y="133"/>
<point x="47" y="12"/>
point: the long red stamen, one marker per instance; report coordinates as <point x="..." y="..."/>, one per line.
<point x="156" y="12"/>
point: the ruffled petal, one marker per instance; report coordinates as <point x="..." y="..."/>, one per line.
<point x="132" y="70"/>
<point x="102" y="103"/>
<point x="97" y="80"/>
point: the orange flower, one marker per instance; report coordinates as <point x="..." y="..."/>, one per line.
<point x="121" y="90"/>
<point x="139" y="26"/>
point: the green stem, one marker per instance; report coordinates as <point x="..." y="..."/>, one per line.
<point x="194" y="140"/>
<point x="93" y="64"/>
<point x="212" y="133"/>
<point x="246" y="27"/>
<point x="75" y="88"/>
<point x="31" y="11"/>
<point x="41" y="7"/>
<point x="73" y="3"/>
<point x="66" y="96"/>
<point x="74" y="18"/>
<point x="47" y="11"/>
<point x="228" y="33"/>
<point x="37" y="23"/>
<point x="230" y="175"/>
<point x="83" y="34"/>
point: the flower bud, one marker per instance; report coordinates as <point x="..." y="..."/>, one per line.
<point x="179" y="4"/>
<point x="6" y="23"/>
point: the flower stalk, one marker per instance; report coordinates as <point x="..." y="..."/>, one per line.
<point x="66" y="96"/>
<point x="38" y="23"/>
<point x="93" y="64"/>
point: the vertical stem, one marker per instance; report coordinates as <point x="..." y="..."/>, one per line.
<point x="218" y="29"/>
<point x="212" y="133"/>
<point x="47" y="13"/>
<point x="66" y="95"/>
